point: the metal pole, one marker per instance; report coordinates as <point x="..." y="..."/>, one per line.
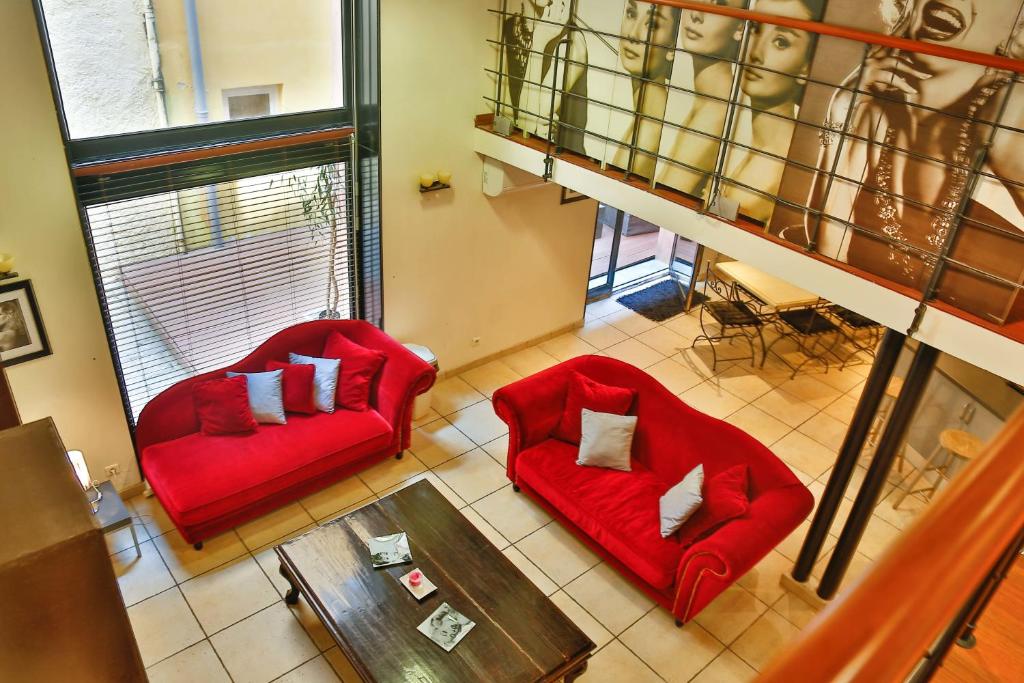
<point x="966" y="639"/>
<point x="867" y="407"/>
<point x="195" y="56"/>
<point x="881" y="464"/>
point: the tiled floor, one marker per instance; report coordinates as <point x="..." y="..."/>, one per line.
<point x="217" y="614"/>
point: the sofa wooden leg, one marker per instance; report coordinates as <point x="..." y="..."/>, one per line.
<point x="198" y="546"/>
<point x="679" y="623"/>
<point x="515" y="487"/>
<point x="398" y="456"/>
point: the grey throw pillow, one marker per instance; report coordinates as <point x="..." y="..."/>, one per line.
<point x="266" y="399"/>
<point x="325" y="379"/>
<point x="681" y="501"/>
<point x="607" y="440"/>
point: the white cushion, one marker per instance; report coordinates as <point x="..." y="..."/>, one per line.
<point x="266" y="399"/>
<point x="325" y="379"/>
<point x="607" y="440"/>
<point x="681" y="501"/>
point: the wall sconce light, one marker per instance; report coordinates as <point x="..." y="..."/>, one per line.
<point x="7" y="266"/>
<point x="431" y="182"/>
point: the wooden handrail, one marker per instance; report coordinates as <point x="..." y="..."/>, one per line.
<point x="885" y="40"/>
<point x="879" y="629"/>
<point x="209" y="152"/>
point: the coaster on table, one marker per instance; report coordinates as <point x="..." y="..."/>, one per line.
<point x="446" y="627"/>
<point x="391" y="549"/>
<point x="422" y="589"/>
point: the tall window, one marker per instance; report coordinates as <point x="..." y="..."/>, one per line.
<point x="213" y="150"/>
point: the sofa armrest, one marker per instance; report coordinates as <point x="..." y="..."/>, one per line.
<point x="531" y="408"/>
<point x="712" y="564"/>
<point x="404" y="376"/>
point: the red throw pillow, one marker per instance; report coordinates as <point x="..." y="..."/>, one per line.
<point x="297" y="386"/>
<point x="725" y="499"/>
<point x="359" y="365"/>
<point x="222" y="406"/>
<point x="584" y="392"/>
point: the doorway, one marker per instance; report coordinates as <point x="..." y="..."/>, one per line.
<point x="629" y="251"/>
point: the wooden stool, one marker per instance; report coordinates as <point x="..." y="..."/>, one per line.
<point x="958" y="445"/>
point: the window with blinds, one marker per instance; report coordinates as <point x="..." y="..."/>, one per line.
<point x="194" y="276"/>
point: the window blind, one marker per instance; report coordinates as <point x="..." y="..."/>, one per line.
<point x="194" y="274"/>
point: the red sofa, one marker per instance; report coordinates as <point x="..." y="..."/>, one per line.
<point x="616" y="513"/>
<point x="209" y="484"/>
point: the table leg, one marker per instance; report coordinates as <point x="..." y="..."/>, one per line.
<point x="292" y="596"/>
<point x="135" y="539"/>
<point x="576" y="673"/>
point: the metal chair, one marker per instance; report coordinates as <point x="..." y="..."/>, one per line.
<point x="734" y="318"/>
<point x="862" y="333"/>
<point x="808" y="327"/>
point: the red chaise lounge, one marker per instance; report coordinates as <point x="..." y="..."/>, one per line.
<point x="616" y="513"/>
<point x="209" y="484"/>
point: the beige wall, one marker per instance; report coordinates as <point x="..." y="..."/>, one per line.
<point x="271" y="42"/>
<point x="39" y="225"/>
<point x="458" y="265"/>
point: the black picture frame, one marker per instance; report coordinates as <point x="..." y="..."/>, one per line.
<point x="33" y="330"/>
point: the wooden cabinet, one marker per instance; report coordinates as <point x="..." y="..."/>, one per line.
<point x="61" y="614"/>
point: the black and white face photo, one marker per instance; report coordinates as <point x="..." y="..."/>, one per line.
<point x="13" y="329"/>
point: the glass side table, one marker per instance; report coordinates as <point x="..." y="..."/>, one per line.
<point x="112" y="514"/>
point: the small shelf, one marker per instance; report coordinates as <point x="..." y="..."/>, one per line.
<point x="438" y="185"/>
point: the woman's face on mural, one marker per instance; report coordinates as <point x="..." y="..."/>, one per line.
<point x="978" y="25"/>
<point x="635" y="22"/>
<point x="711" y="34"/>
<point x="781" y="49"/>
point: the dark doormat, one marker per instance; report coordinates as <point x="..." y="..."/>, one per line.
<point x="660" y="301"/>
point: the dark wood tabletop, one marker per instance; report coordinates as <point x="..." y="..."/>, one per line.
<point x="520" y="635"/>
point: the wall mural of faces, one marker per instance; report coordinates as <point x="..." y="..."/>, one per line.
<point x="897" y="157"/>
<point x="904" y="172"/>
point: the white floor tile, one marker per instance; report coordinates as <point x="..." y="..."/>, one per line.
<point x="490" y="377"/>
<point x="616" y="664"/>
<point x="532" y="572"/>
<point x="329" y="501"/>
<point x="163" y="626"/>
<point x="612" y="600"/>
<point x="676" y="654"/>
<point x="453" y="394"/>
<point x="141" y="577"/>
<point x="472" y="475"/>
<point x="512" y="514"/>
<point x="229" y="594"/>
<point x="264" y="646"/>
<point x="479" y="423"/>
<point x="583" y="620"/>
<point x="274" y="525"/>
<point x="197" y="663"/>
<point x="558" y="553"/>
<point x="438" y="442"/>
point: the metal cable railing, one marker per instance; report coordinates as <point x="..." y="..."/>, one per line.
<point x="955" y="216"/>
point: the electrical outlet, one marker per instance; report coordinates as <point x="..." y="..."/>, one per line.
<point x="112" y="470"/>
<point x="475" y="341"/>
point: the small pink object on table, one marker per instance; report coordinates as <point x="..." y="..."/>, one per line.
<point x="415" y="578"/>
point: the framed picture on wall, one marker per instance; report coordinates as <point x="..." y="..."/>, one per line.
<point x="22" y="336"/>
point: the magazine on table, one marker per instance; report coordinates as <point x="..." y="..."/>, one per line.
<point x="390" y="550"/>
<point x="446" y="626"/>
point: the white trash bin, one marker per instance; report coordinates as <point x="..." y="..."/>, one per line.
<point x="422" y="403"/>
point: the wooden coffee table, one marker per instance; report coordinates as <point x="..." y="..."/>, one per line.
<point x="520" y="635"/>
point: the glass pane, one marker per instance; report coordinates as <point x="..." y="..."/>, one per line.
<point x="126" y="66"/>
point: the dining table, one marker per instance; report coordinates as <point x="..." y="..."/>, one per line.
<point x="774" y="292"/>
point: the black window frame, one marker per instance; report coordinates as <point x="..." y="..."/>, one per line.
<point x="361" y="111"/>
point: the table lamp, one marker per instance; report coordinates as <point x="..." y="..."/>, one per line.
<point x="81" y="469"/>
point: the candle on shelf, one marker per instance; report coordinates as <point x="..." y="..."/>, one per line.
<point x="445" y="177"/>
<point x="426" y="180"/>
